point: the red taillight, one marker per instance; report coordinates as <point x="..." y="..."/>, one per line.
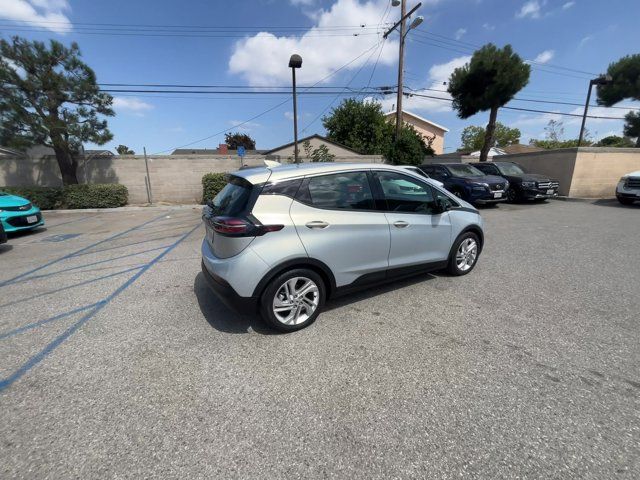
<point x="231" y="225"/>
<point x="240" y="227"/>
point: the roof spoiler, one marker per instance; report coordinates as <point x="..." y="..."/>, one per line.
<point x="272" y="164"/>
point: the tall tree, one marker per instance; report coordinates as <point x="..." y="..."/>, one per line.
<point x="237" y="139"/>
<point x="473" y="137"/>
<point x="632" y="126"/>
<point x="124" y="150"/>
<point x="48" y="96"/>
<point x="554" y="137"/>
<point x="487" y="82"/>
<point x="614" y="141"/>
<point x="359" y="125"/>
<point x="625" y="74"/>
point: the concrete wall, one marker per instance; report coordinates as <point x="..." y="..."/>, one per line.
<point x="174" y="178"/>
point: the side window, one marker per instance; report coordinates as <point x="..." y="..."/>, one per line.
<point x="288" y="188"/>
<point x="442" y="172"/>
<point x="405" y="194"/>
<point x="338" y="191"/>
<point x="446" y="201"/>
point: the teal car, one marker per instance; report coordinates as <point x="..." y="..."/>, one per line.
<point x="17" y="214"/>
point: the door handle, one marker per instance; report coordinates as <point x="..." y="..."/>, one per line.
<point x="400" y="224"/>
<point x="317" y="224"/>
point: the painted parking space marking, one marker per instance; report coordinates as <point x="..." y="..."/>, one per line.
<point x="63" y="237"/>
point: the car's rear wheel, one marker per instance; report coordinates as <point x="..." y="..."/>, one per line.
<point x="293" y="300"/>
<point x="625" y="201"/>
<point x="464" y="254"/>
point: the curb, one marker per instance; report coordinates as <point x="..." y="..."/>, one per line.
<point x="131" y="208"/>
<point x="582" y="200"/>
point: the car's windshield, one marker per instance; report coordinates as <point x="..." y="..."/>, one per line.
<point x="465" y="171"/>
<point x="510" y="169"/>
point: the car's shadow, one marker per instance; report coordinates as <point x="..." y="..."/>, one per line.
<point x="5" y="247"/>
<point x="26" y="233"/>
<point x="608" y="202"/>
<point x="225" y="320"/>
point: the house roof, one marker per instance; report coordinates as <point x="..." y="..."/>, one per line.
<point x="520" y="148"/>
<point x="315" y="135"/>
<point x="212" y="151"/>
<point x="404" y="112"/>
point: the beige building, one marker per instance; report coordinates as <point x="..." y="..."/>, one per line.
<point x="425" y="127"/>
<point x="284" y="152"/>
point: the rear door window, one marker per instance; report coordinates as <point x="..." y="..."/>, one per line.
<point x="233" y="199"/>
<point x="338" y="191"/>
<point x="404" y="194"/>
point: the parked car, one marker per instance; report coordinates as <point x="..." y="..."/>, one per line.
<point x="17" y="213"/>
<point x="3" y="234"/>
<point x="468" y="183"/>
<point x="628" y="189"/>
<point x="282" y="240"/>
<point x="417" y="171"/>
<point x="522" y="185"/>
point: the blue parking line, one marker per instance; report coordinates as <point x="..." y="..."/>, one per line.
<point x="127" y="245"/>
<point x="37" y="358"/>
<point x="39" y="323"/>
<point x="58" y="290"/>
<point x="69" y="255"/>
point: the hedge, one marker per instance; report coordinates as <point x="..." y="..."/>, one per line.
<point x="212" y="183"/>
<point x="109" y="195"/>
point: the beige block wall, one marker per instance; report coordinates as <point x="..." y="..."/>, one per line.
<point x="598" y="170"/>
<point x="174" y="178"/>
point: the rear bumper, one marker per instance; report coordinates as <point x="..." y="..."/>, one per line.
<point x="228" y="295"/>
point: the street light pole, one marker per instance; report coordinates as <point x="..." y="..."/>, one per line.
<point x="601" y="80"/>
<point x="295" y="62"/>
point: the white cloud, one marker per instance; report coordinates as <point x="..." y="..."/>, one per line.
<point x="568" y="5"/>
<point x="49" y="14"/>
<point x="263" y="58"/>
<point x="584" y="40"/>
<point x="305" y="3"/>
<point x="488" y="26"/>
<point x="460" y="33"/>
<point x="132" y="105"/>
<point x="438" y="75"/>
<point x="529" y="9"/>
<point x="243" y="126"/>
<point x="544" y="57"/>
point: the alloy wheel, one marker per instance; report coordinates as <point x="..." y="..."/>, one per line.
<point x="467" y="254"/>
<point x="296" y="300"/>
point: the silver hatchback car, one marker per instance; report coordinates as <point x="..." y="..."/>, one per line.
<point x="281" y="240"/>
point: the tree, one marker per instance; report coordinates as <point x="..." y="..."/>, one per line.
<point x="632" y="126"/>
<point x="320" y="154"/>
<point x="487" y="82"/>
<point x="124" y="150"/>
<point x="409" y="149"/>
<point x="614" y="141"/>
<point x="48" y="96"/>
<point x="473" y="137"/>
<point x="554" y="137"/>
<point x="235" y="140"/>
<point x="359" y="125"/>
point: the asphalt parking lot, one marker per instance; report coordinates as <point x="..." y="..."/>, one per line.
<point x="118" y="363"/>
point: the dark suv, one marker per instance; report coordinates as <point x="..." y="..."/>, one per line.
<point x="523" y="186"/>
<point x="467" y="182"/>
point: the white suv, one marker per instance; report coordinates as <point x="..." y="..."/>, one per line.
<point x="282" y="240"/>
<point x="628" y="189"/>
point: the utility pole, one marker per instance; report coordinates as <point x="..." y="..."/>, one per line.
<point x="403" y="26"/>
<point x="403" y="33"/>
<point x="601" y="80"/>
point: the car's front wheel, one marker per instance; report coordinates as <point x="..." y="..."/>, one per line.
<point x="293" y="300"/>
<point x="464" y="254"/>
<point x="512" y="195"/>
<point x="625" y="201"/>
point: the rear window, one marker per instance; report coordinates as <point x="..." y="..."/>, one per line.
<point x="233" y="198"/>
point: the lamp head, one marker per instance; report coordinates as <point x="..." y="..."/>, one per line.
<point x="295" y="61"/>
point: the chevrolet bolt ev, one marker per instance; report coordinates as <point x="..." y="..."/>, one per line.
<point x="282" y="240"/>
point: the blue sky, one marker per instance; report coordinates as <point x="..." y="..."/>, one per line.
<point x="259" y="35"/>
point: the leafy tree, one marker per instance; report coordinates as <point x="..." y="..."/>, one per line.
<point x="554" y="137"/>
<point x="359" y="125"/>
<point x="48" y="96"/>
<point x="237" y="139"/>
<point x="473" y="137"/>
<point x="487" y="82"/>
<point x="124" y="150"/>
<point x="615" y="141"/>
<point x="322" y="154"/>
<point x="632" y="126"/>
<point x="410" y="149"/>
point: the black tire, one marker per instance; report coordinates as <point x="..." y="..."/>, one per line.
<point x="268" y="296"/>
<point x="625" y="201"/>
<point x="512" y="195"/>
<point x="452" y="267"/>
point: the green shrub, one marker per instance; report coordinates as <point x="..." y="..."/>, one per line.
<point x="45" y="198"/>
<point x="73" y="196"/>
<point x="108" y="195"/>
<point x="212" y="183"/>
